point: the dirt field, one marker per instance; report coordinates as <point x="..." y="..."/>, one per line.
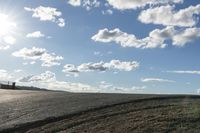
<point x="117" y="114"/>
<point x="149" y="115"/>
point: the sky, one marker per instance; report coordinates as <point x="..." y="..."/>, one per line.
<point x="106" y="46"/>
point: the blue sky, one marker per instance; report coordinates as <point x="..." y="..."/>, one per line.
<point x="102" y="45"/>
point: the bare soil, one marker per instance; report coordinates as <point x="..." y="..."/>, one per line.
<point x="154" y="115"/>
<point x="25" y="111"/>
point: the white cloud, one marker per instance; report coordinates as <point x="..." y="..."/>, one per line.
<point x="9" y="40"/>
<point x="48" y="59"/>
<point x="134" y="4"/>
<point x="5" y="75"/>
<point x="43" y="77"/>
<point x="129" y="40"/>
<point x="44" y="13"/>
<point x="87" y="67"/>
<point x="87" y="4"/>
<point x="7" y="29"/>
<point x="32" y="62"/>
<point x="80" y="87"/>
<point x="4" y="46"/>
<point x="18" y="70"/>
<point x="105" y="85"/>
<point x="61" y="22"/>
<point x="100" y="54"/>
<point x="75" y="2"/>
<point x="33" y="53"/>
<point x="48" y="79"/>
<point x="156" y="80"/>
<point x="36" y="34"/>
<point x="198" y="91"/>
<point x="101" y="67"/>
<point x="186" y="36"/>
<point x="27" y="63"/>
<point x="7" y="24"/>
<point x="185" y="72"/>
<point x="107" y="12"/>
<point x="6" y="41"/>
<point x="109" y="87"/>
<point x="156" y="38"/>
<point x="122" y="65"/>
<point x="47" y="14"/>
<point x="97" y="53"/>
<point x="183" y="18"/>
<point x="72" y="87"/>
<point x="71" y="69"/>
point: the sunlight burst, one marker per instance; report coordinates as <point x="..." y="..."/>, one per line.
<point x="6" y="25"/>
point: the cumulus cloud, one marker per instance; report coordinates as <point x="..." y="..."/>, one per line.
<point x="49" y="80"/>
<point x="101" y="67"/>
<point x="36" y="34"/>
<point x="48" y="59"/>
<point x="71" y="69"/>
<point x="43" y="77"/>
<point x="183" y="18"/>
<point x="186" y="36"/>
<point x="129" y="40"/>
<point x="134" y="4"/>
<point x="87" y="4"/>
<point x="47" y="14"/>
<point x="87" y="67"/>
<point x="33" y="53"/>
<point x="156" y="38"/>
<point x="156" y="80"/>
<point x="185" y="72"/>
<point x="122" y="65"/>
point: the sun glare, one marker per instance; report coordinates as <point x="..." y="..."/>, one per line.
<point x="6" y="25"/>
